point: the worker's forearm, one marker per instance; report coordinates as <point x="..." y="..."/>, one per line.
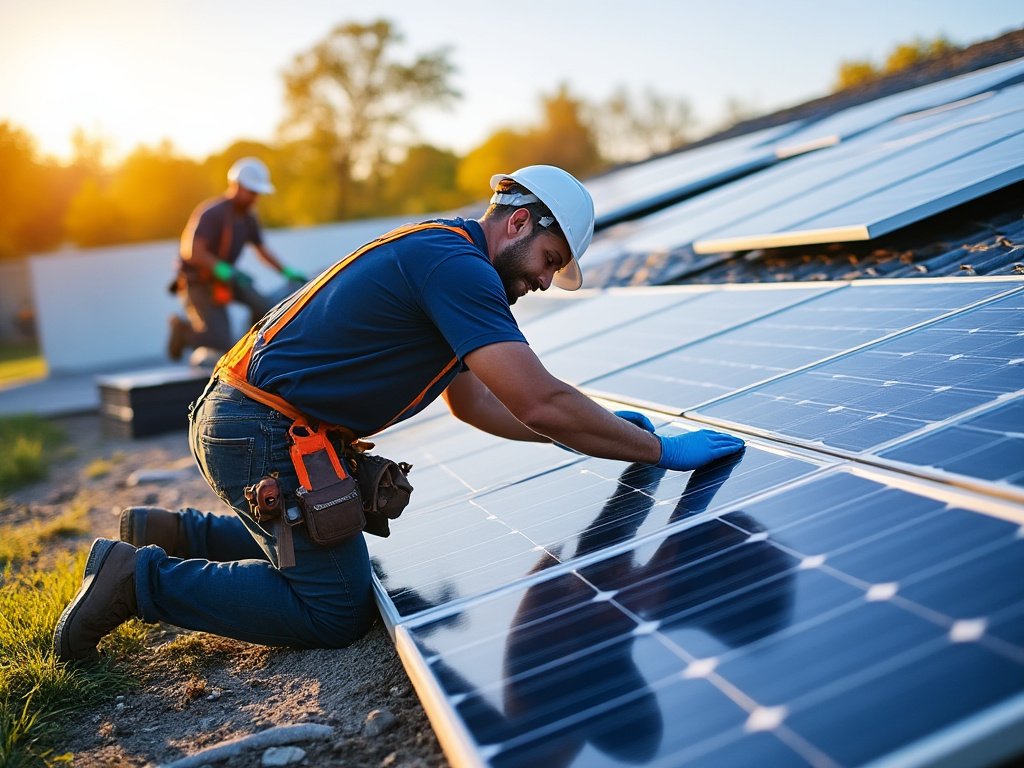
<point x="573" y="419"/>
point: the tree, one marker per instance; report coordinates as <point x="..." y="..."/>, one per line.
<point x="907" y="55"/>
<point x="32" y="196"/>
<point x="853" y="73"/>
<point x="903" y="56"/>
<point x="631" y="128"/>
<point x="424" y="182"/>
<point x="351" y="100"/>
<point x="563" y="138"/>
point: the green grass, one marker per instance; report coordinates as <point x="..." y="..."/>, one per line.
<point x="24" y="543"/>
<point x="20" y="362"/>
<point x="25" y="443"/>
<point x="36" y="690"/>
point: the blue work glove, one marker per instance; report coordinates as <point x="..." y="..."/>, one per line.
<point x="695" y="449"/>
<point x="636" y="418"/>
<point x="291" y="274"/>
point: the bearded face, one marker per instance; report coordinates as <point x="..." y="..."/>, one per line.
<point x="513" y="266"/>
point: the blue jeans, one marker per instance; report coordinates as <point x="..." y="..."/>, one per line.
<point x="231" y="586"/>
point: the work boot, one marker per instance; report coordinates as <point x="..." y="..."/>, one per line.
<point x="105" y="600"/>
<point x="154" y="525"/>
<point x="178" y="337"/>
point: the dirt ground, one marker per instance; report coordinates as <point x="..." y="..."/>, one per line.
<point x="218" y="689"/>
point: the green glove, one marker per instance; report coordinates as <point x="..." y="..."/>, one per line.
<point x="291" y="274"/>
<point x="223" y="271"/>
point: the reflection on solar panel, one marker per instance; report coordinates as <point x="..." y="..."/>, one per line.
<point x="876" y="184"/>
<point x="849" y="122"/>
<point x="792" y="338"/>
<point x="501" y="532"/>
<point x="749" y="639"/>
<point x="893" y="388"/>
<point x="989" y="445"/>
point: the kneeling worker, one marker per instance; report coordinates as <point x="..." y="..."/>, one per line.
<point x="207" y="280"/>
<point x="421" y="312"/>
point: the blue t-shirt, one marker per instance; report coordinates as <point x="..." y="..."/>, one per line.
<point x="215" y="218"/>
<point x="371" y="339"/>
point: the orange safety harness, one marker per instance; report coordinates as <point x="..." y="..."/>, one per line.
<point x="233" y="367"/>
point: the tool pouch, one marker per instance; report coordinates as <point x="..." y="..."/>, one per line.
<point x="328" y="495"/>
<point x="385" y="490"/>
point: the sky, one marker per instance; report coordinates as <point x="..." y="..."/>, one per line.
<point x="203" y="73"/>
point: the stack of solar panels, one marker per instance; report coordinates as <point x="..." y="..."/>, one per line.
<point x="847" y="591"/>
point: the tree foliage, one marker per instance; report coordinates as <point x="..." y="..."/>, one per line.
<point x="856" y="72"/>
<point x="353" y="101"/>
<point x="630" y="127"/>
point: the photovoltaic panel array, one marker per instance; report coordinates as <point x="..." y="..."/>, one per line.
<point x="880" y="182"/>
<point x="794" y="337"/>
<point x="880" y="179"/>
<point x="779" y="633"/>
<point x="888" y="390"/>
<point x="847" y="123"/>
<point x="625" y="192"/>
<point x="787" y="606"/>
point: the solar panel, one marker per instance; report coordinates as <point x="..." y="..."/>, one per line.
<point x="601" y="313"/>
<point x="876" y="184"/>
<point x="461" y="547"/>
<point x="850" y="122"/>
<point x="748" y="638"/>
<point x="759" y="194"/>
<point x="789" y="339"/>
<point x="621" y="193"/>
<point x="987" y="445"/>
<point x="702" y="314"/>
<point x="893" y="388"/>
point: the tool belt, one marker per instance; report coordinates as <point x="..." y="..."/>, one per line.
<point x="342" y="491"/>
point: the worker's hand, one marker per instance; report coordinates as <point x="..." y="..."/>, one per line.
<point x="695" y="449"/>
<point x="223" y="271"/>
<point x="636" y="418"/>
<point x="291" y="274"/>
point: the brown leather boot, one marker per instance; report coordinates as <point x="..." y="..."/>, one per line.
<point x="178" y="337"/>
<point x="154" y="525"/>
<point x="105" y="600"/>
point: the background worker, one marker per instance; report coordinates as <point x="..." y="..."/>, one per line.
<point x="211" y="243"/>
<point x="419" y="313"/>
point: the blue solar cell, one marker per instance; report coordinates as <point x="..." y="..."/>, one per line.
<point x="892" y="388"/>
<point x="989" y="445"/>
<point x="789" y="339"/>
<point x="907" y="699"/>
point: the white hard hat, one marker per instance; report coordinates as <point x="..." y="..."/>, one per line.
<point x="569" y="202"/>
<point x="251" y="173"/>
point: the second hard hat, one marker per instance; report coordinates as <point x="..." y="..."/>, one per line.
<point x="571" y="205"/>
<point x="251" y="173"/>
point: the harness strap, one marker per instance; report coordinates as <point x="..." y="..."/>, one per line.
<point x="233" y="367"/>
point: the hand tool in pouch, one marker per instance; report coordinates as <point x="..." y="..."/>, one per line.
<point x="328" y="494"/>
<point x="267" y="503"/>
